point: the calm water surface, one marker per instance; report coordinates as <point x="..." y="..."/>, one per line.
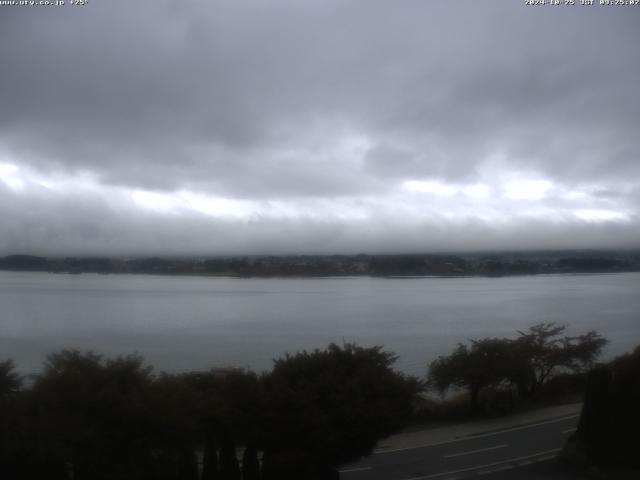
<point x="181" y="323"/>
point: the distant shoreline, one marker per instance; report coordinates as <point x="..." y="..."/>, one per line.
<point x="494" y="265"/>
<point x="332" y="277"/>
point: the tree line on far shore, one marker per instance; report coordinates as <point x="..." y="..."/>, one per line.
<point x="90" y="417"/>
<point x="479" y="264"/>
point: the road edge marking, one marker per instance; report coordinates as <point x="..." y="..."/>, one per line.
<point x="357" y="469"/>
<point x="488" y="465"/>
<point x="481" y="435"/>
<point x="471" y="452"/>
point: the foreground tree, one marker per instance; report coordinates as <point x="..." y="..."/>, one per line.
<point x="92" y="418"/>
<point x="607" y="433"/>
<point x="229" y="466"/>
<point x="485" y="363"/>
<point x="250" y="464"/>
<point x="10" y="380"/>
<point x="92" y="415"/>
<point x="543" y="350"/>
<point x="526" y="362"/>
<point x="326" y="408"/>
<point x="10" y="385"/>
<point x="209" y="459"/>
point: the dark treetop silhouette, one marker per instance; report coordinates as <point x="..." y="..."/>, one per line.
<point x="99" y="418"/>
<point x="525" y="362"/>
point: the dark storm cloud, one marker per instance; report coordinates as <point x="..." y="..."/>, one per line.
<point x="295" y="100"/>
<point x="167" y="94"/>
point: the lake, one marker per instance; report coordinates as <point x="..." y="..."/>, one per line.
<point x="184" y="323"/>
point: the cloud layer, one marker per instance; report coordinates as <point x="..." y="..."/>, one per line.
<point x="318" y="126"/>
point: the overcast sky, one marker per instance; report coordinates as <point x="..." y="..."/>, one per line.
<point x="318" y="126"/>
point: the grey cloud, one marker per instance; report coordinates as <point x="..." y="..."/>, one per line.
<point x="259" y="100"/>
<point x="163" y="95"/>
<point x="86" y="224"/>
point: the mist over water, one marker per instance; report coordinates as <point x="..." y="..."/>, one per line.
<point x="185" y="323"/>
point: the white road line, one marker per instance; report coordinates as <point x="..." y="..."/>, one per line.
<point x="358" y="469"/>
<point x="488" y="465"/>
<point x="496" y="469"/>
<point x="470" y="452"/>
<point x="569" y="430"/>
<point x="472" y="437"/>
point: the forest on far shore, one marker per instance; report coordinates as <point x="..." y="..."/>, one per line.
<point x="471" y="264"/>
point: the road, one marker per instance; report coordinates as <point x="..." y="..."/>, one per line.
<point x="486" y="454"/>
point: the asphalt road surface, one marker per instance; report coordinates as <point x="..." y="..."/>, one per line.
<point x="488" y="455"/>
